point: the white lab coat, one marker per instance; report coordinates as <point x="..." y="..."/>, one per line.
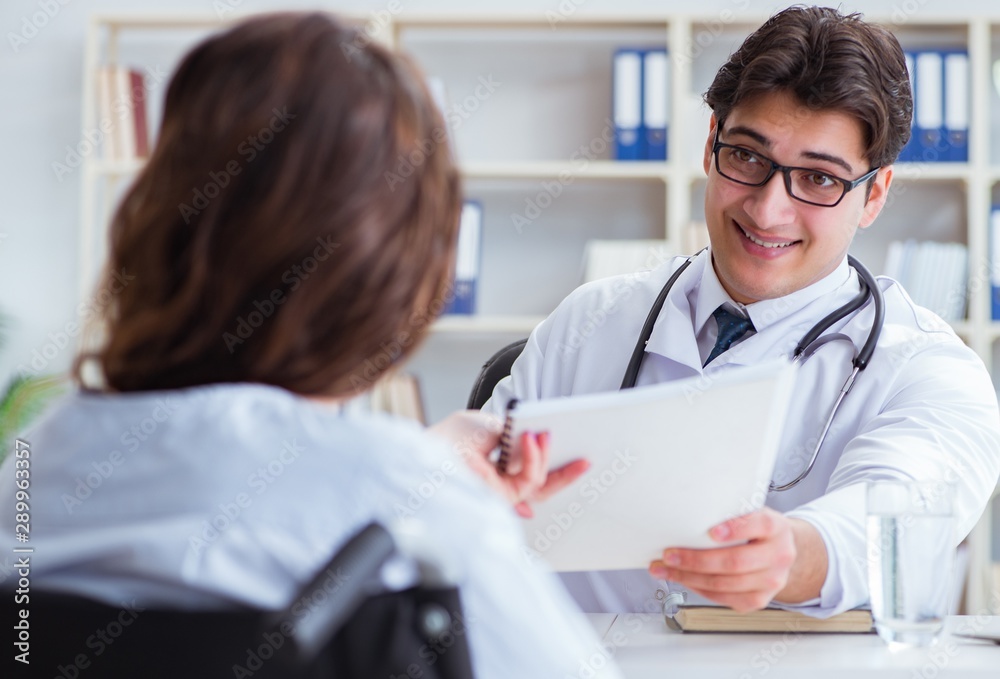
<point x="924" y="408"/>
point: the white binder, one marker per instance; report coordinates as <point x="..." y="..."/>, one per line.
<point x="929" y="105"/>
<point x="956" y="106"/>
<point x="627" y="104"/>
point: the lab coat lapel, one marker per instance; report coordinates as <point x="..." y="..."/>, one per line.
<point x="673" y="335"/>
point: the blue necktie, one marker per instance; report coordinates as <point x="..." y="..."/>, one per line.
<point x="731" y="328"/>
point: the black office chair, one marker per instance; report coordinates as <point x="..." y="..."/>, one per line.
<point x="495" y="369"/>
<point x="340" y="626"/>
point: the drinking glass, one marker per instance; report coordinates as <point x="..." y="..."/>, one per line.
<point x="911" y="550"/>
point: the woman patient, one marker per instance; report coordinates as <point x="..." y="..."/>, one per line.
<point x="274" y="261"/>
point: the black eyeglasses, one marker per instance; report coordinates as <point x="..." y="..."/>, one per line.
<point x="804" y="184"/>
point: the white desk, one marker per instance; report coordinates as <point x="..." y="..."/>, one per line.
<point x="645" y="648"/>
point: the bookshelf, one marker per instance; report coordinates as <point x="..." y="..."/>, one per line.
<point x="550" y="97"/>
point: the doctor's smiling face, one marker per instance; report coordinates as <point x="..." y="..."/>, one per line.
<point x="766" y="244"/>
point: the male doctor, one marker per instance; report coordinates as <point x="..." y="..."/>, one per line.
<point x="808" y="116"/>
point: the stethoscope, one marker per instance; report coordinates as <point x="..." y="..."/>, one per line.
<point x="806" y="347"/>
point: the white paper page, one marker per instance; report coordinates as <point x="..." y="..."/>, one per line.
<point x="668" y="462"/>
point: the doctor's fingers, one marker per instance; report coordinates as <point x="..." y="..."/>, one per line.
<point x="763" y="523"/>
<point x="741" y="602"/>
<point x="764" y="583"/>
<point x="748" y="558"/>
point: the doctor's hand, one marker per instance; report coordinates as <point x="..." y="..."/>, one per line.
<point x="783" y="558"/>
<point x="475" y="435"/>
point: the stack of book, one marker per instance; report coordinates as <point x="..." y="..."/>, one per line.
<point x="121" y="102"/>
<point x="397" y="394"/>
<point x="605" y="258"/>
<point x="934" y="275"/>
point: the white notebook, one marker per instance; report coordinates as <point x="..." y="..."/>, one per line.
<point x="668" y="462"/>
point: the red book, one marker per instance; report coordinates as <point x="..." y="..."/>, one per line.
<point x="138" y="100"/>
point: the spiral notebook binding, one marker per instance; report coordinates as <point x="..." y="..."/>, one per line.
<point x="505" y="438"/>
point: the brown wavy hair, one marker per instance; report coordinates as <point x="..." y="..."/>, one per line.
<point x="295" y="224"/>
<point x="828" y="61"/>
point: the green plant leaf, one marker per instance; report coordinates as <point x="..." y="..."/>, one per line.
<point x="25" y="398"/>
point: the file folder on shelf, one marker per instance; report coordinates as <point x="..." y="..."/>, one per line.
<point x="995" y="263"/>
<point x="939" y="80"/>
<point x="956" y="106"/>
<point x="467" y="260"/>
<point x="929" y="106"/>
<point x="627" y="104"/>
<point x="655" y="110"/>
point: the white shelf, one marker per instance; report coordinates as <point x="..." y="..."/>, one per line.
<point x="993" y="331"/>
<point x="598" y="169"/>
<point x="486" y="324"/>
<point x="117" y="167"/>
<point x="963" y="329"/>
<point x="544" y="20"/>
<point x="167" y="20"/>
<point x="932" y="171"/>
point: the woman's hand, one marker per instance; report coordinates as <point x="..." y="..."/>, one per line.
<point x="474" y="435"/>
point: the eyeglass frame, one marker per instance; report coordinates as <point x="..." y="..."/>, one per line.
<point x="848" y="184"/>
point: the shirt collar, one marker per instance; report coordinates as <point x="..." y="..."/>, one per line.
<point x="709" y="294"/>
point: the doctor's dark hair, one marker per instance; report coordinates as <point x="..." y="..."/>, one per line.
<point x="828" y="61"/>
<point x="295" y="224"/>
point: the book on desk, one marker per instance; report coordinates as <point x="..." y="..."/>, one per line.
<point x="721" y="619"/>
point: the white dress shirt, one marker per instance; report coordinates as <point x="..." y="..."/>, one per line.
<point x="241" y="493"/>
<point x="925" y="408"/>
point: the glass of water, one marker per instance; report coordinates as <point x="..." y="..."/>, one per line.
<point x="911" y="552"/>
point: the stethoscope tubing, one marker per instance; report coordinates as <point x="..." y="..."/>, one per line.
<point x="869" y="290"/>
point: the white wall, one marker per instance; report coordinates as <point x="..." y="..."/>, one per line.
<point x="41" y="116"/>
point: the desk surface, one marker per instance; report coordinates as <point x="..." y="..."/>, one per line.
<point x="645" y="648"/>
